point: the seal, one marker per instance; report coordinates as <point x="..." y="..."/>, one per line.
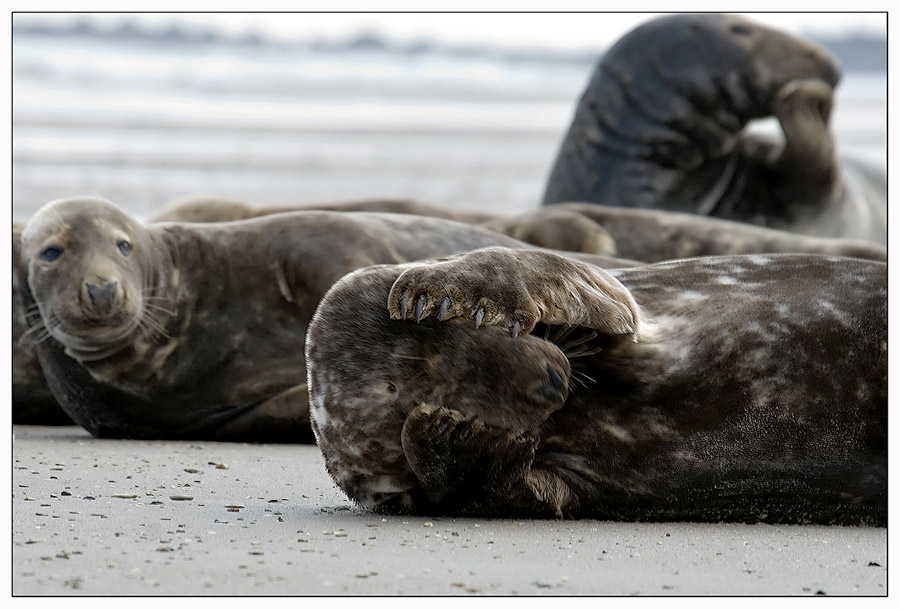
<point x="528" y="384"/>
<point x="179" y="330"/>
<point x="645" y="235"/>
<point x="652" y="235"/>
<point x="661" y="126"/>
<point x="553" y="228"/>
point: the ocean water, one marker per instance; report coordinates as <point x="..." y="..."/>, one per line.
<point x="143" y="124"/>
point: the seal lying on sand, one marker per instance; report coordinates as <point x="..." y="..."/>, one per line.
<point x="523" y="383"/>
<point x="661" y="126"/>
<point x="197" y="330"/>
<point x="553" y="228"/>
<point x="645" y="235"/>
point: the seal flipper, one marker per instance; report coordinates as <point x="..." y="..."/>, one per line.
<point x="465" y="466"/>
<point x="807" y="169"/>
<point x="515" y="289"/>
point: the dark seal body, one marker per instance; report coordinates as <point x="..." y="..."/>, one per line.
<point x="746" y="388"/>
<point x="661" y="126"/>
<point x="175" y="330"/>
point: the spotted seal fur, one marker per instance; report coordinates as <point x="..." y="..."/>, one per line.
<point x="527" y="384"/>
<point x="662" y="122"/>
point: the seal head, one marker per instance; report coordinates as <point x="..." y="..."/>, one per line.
<point x="87" y="271"/>
<point x="394" y="371"/>
<point x="662" y="122"/>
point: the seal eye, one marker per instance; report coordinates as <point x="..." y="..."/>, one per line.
<point x="51" y="253"/>
<point x="124" y="246"/>
<point x="741" y="30"/>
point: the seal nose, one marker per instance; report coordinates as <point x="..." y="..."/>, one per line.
<point x="103" y="296"/>
<point x="555" y="389"/>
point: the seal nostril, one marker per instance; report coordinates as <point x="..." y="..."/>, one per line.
<point x="102" y="296"/>
<point x="95" y="293"/>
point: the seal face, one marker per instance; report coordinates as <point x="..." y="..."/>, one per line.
<point x="88" y="272"/>
<point x="661" y="123"/>
<point x="746" y="388"/>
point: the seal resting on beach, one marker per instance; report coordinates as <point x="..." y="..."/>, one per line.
<point x="197" y="330"/>
<point x="553" y="228"/>
<point x="661" y="125"/>
<point x="528" y="384"/>
<point x="645" y="235"/>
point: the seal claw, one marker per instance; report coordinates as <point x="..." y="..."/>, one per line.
<point x="420" y="307"/>
<point x="403" y="301"/>
<point x="445" y="305"/>
<point x="515" y="329"/>
<point x="479" y="317"/>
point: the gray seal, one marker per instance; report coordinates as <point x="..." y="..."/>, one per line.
<point x="632" y="234"/>
<point x="528" y="384"/>
<point x="661" y="126"/>
<point x="552" y="228"/>
<point x="183" y="330"/>
<point x="646" y="235"/>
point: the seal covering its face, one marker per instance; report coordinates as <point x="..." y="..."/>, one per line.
<point x="746" y="388"/>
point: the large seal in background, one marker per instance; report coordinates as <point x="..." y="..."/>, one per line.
<point x="661" y="123"/>
<point x="523" y="383"/>
<point x="197" y="330"/>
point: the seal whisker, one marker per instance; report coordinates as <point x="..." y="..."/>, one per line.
<point x="579" y="341"/>
<point x="32" y="315"/>
<point x="35" y="335"/>
<point x="161" y="309"/>
<point x="583" y="352"/>
<point x="561" y="333"/>
<point x="147" y="320"/>
<point x="581" y="374"/>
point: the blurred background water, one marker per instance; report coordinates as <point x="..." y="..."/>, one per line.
<point x="143" y="117"/>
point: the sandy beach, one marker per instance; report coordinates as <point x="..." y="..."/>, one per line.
<point x="111" y="517"/>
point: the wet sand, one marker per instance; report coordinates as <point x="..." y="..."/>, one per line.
<point x="112" y="517"/>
